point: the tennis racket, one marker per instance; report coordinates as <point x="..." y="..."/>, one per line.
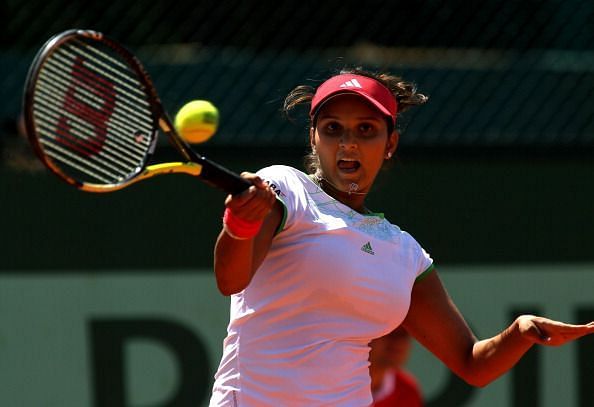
<point x="94" y="117"/>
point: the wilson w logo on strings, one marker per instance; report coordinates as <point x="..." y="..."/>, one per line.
<point x="89" y="103"/>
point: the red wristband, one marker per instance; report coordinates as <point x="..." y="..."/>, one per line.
<point x="239" y="228"/>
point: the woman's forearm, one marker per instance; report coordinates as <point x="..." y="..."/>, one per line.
<point x="233" y="263"/>
<point x="493" y="357"/>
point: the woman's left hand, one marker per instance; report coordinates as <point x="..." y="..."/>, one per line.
<point x="546" y="331"/>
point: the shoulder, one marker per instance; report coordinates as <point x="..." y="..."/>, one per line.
<point x="411" y="252"/>
<point x="291" y="187"/>
<point x="282" y="173"/>
<point x="280" y="170"/>
<point x="408" y="239"/>
<point x="405" y="240"/>
<point x="284" y="179"/>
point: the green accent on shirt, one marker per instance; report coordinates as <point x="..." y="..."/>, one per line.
<point x="283" y="221"/>
<point x="425" y="273"/>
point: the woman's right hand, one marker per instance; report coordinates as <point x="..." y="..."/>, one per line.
<point x="253" y="204"/>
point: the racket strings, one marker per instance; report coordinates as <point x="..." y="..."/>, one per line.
<point x="126" y="160"/>
<point x="121" y="129"/>
<point x="92" y="113"/>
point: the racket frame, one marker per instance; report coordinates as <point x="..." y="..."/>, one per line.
<point x="208" y="171"/>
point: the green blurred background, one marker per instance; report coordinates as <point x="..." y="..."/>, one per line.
<point x="497" y="169"/>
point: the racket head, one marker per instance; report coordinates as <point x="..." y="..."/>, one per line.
<point x="91" y="111"/>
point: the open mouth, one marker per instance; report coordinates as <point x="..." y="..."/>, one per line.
<point x="348" y="165"/>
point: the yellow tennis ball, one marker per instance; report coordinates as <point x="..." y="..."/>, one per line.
<point x="197" y="121"/>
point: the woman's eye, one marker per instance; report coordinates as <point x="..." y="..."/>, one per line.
<point x="333" y="128"/>
<point x="367" y="129"/>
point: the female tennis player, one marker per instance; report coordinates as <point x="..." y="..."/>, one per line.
<point x="314" y="274"/>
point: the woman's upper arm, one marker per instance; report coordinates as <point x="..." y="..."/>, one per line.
<point x="434" y="320"/>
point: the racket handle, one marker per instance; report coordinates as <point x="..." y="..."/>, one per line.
<point x="222" y="178"/>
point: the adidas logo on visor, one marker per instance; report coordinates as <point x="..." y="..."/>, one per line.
<point x="374" y="91"/>
<point x="353" y="83"/>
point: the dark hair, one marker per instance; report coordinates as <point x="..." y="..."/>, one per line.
<point x="404" y="92"/>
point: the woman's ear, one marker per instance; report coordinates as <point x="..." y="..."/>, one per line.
<point x="312" y="139"/>
<point x="392" y="144"/>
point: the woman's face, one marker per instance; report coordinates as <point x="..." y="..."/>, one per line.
<point x="351" y="141"/>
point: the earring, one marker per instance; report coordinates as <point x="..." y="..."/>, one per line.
<point x="388" y="155"/>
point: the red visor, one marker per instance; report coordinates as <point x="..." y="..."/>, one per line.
<point x="370" y="89"/>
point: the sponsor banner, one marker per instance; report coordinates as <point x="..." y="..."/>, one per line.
<point x="137" y="339"/>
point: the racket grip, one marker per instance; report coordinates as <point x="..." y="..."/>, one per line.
<point x="222" y="178"/>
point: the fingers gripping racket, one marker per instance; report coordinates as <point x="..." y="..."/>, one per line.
<point x="93" y="117"/>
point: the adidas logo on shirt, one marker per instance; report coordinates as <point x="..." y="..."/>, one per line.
<point x="353" y="83"/>
<point x="367" y="248"/>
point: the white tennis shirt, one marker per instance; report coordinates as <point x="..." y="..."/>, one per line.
<point x="332" y="281"/>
